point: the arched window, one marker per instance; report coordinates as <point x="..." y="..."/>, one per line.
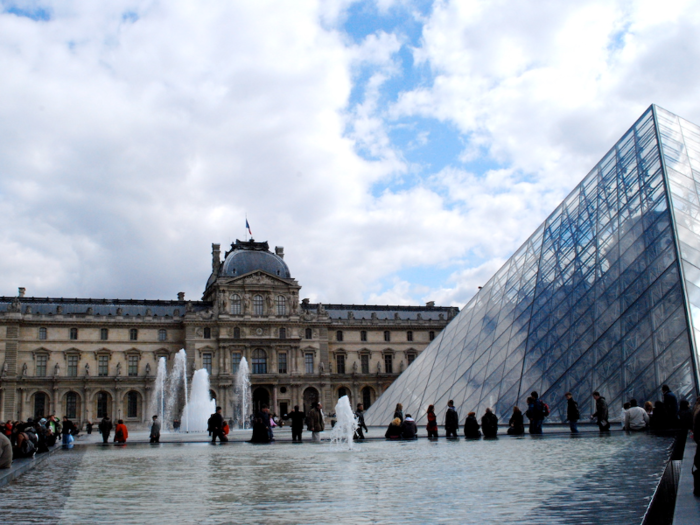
<point x="342" y="391"/>
<point x="283" y="333"/>
<point x="132" y="404"/>
<point x="74" y="334"/>
<point x="236" y="333"/>
<point x="71" y="405"/>
<point x="281" y="305"/>
<point x="339" y="335"/>
<point x="259" y="361"/>
<point x="387" y="335"/>
<point x="236" y="304"/>
<point x="133" y="334"/>
<point x="162" y="335"/>
<point x="366" y="397"/>
<point x="207" y="333"/>
<point x="40" y="402"/>
<point x="258" y="305"/>
<point x="308" y="333"/>
<point x="409" y="336"/>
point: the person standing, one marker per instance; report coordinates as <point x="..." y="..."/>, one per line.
<point x="316" y="424"/>
<point x="121" y="433"/>
<point x="399" y="411"/>
<point x="88" y="427"/>
<point x="451" y="420"/>
<point x="155" y="430"/>
<point x="360" y="415"/>
<point x="489" y="424"/>
<point x="217" y="426"/>
<point x="535" y="413"/>
<point x="601" y="412"/>
<point x="297" y="418"/>
<point x="670" y="407"/>
<point x="105" y="427"/>
<point x="572" y="412"/>
<point x="431" y="427"/>
<point x="67" y="430"/>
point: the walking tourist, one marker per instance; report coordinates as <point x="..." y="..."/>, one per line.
<point x="409" y="430"/>
<point x="535" y="413"/>
<point x="399" y="411"/>
<point x="451" y="420"/>
<point x="155" y="430"/>
<point x="121" y="433"/>
<point x="105" y="428"/>
<point x="601" y="412"/>
<point x="572" y="412"/>
<point x="670" y="407"/>
<point x="431" y="427"/>
<point x="636" y="418"/>
<point x="217" y="426"/>
<point x="315" y="422"/>
<point x="88" y="427"/>
<point x="297" y="417"/>
<point x="67" y="431"/>
<point x="5" y="451"/>
<point x="489" y="424"/>
<point x="471" y="427"/>
<point x="394" y="429"/>
<point x="516" y="426"/>
<point x="360" y="415"/>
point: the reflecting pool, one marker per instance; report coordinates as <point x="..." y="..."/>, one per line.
<point x="511" y="480"/>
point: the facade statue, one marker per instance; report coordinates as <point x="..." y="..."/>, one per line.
<point x="87" y="369"/>
<point x="354" y="367"/>
<point x="148" y="369"/>
<point x="56" y="370"/>
<point x="24" y="369"/>
<point x="379" y="367"/>
<point x="3" y="373"/>
<point x="119" y="369"/>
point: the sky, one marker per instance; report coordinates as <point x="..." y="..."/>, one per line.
<point x="399" y="150"/>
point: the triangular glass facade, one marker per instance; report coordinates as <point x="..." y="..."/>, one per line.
<point x="601" y="297"/>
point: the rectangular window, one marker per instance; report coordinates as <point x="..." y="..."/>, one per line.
<point x="340" y="364"/>
<point x="132" y="405"/>
<point x="284" y="408"/>
<point x="387" y="335"/>
<point x="71" y="405"/>
<point x="409" y="336"/>
<point x="72" y="366"/>
<point x="431" y="335"/>
<point x="283" y="333"/>
<point x="339" y="335"/>
<point x="133" y="334"/>
<point x="207" y="333"/>
<point x="282" y="362"/>
<point x="41" y="365"/>
<point x="103" y="365"/>
<point x="281" y="305"/>
<point x="363" y="335"/>
<point x="206" y="362"/>
<point x="74" y="334"/>
<point x="258" y="305"/>
<point x="162" y="335"/>
<point x="42" y="333"/>
<point x="133" y="365"/>
<point x="104" y="334"/>
<point x="388" y="364"/>
<point x="309" y="363"/>
<point x="410" y="358"/>
<point x="235" y="361"/>
<point x="308" y="333"/>
<point x="102" y="405"/>
<point x="364" y="362"/>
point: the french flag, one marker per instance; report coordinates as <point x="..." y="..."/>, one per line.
<point x="248" y="226"/>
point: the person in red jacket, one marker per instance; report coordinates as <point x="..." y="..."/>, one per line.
<point x="432" y="427"/>
<point x="121" y="433"/>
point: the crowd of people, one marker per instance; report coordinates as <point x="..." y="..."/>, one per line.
<point x="663" y="415"/>
<point x="25" y="439"/>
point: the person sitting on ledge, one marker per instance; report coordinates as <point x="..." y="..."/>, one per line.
<point x="394" y="430"/>
<point x="489" y="424"/>
<point x="121" y="433"/>
<point x="636" y="418"/>
<point x="408" y="428"/>
<point x="5" y="451"/>
<point x="471" y="427"/>
<point x="516" y="426"/>
<point x="260" y="433"/>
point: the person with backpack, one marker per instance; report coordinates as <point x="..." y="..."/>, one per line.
<point x="105" y="428"/>
<point x="121" y="433"/>
<point x="601" y="412"/>
<point x="536" y="412"/>
<point x="217" y="426"/>
<point x="572" y="412"/>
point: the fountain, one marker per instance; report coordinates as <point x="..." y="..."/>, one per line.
<point x="175" y="385"/>
<point x="157" y="406"/>
<point x="242" y="393"/>
<point x="346" y="425"/>
<point x="200" y="405"/>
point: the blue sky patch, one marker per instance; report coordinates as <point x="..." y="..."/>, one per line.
<point x="37" y="13"/>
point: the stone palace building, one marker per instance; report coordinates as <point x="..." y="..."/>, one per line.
<point x="86" y="358"/>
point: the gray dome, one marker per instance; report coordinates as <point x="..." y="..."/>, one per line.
<point x="246" y="257"/>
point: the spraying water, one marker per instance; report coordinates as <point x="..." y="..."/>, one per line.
<point x="243" y="395"/>
<point x="345" y="426"/>
<point x="200" y="405"/>
<point x="176" y="385"/>
<point x="157" y="406"/>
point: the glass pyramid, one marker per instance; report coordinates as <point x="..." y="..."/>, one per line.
<point x="605" y="295"/>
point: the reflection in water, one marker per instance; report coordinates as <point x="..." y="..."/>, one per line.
<point x="551" y="480"/>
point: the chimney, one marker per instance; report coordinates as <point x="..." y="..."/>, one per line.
<point x="180" y="296"/>
<point x="279" y="251"/>
<point x="215" y="258"/>
<point x="22" y="291"/>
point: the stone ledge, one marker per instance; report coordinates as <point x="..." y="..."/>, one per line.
<point x="22" y="465"/>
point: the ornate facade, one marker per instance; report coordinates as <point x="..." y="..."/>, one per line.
<point x="89" y="357"/>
